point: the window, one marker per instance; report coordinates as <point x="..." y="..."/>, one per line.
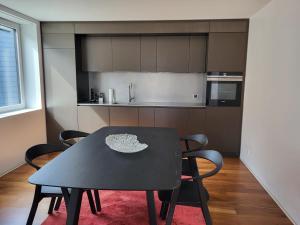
<point x="11" y="82"/>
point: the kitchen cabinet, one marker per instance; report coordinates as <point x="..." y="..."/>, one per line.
<point x="124" y="116"/>
<point x="148" y="54"/>
<point x="60" y="92"/>
<point x="173" y="54"/>
<point x="142" y="27"/>
<point x="223" y="129"/>
<point x="92" y="118"/>
<point x="146" y="117"/>
<point x="196" y="121"/>
<point x="227" y="52"/>
<point x="96" y="54"/>
<point x="173" y="118"/>
<point x="58" y="41"/>
<point x="198" y="50"/>
<point x="126" y="53"/>
<point x="57" y="28"/>
<point x="222" y="125"/>
<point x="229" y="26"/>
<point x="195" y="124"/>
<point x="180" y="54"/>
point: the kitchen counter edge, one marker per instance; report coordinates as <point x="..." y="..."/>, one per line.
<point x="168" y="105"/>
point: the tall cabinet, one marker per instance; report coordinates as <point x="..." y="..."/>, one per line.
<point x="60" y="78"/>
<point x="227" y="46"/>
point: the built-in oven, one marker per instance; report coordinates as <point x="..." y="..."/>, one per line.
<point x="224" y="89"/>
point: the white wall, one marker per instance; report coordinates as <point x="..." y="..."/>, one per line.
<point x="17" y="134"/>
<point x="20" y="131"/>
<point x="271" y="122"/>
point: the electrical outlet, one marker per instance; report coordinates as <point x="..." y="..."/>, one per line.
<point x="195" y="96"/>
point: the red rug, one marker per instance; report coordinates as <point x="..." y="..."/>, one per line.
<point x="125" y="208"/>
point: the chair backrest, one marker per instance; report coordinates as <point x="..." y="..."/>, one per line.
<point x="66" y="137"/>
<point x="39" y="150"/>
<point x="213" y="156"/>
<point x="200" y="139"/>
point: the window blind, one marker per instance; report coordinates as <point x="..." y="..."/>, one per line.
<point x="9" y="72"/>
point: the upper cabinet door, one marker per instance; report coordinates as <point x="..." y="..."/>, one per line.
<point x="227" y="52"/>
<point x="96" y="54"/>
<point x="198" y="46"/>
<point x="126" y="53"/>
<point x="148" y="54"/>
<point x="173" y="54"/>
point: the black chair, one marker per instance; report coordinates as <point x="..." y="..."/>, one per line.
<point x="67" y="138"/>
<point x="200" y="140"/>
<point x="41" y="192"/>
<point x="192" y="192"/>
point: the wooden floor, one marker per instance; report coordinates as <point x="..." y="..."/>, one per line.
<point x="236" y="197"/>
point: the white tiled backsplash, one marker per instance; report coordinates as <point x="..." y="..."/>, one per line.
<point x="152" y="87"/>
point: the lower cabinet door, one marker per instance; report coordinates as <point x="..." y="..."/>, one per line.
<point x="92" y="118"/>
<point x="124" y="116"/>
<point x="223" y="129"/>
<point x="146" y="117"/>
<point x="195" y="124"/>
<point x="173" y="118"/>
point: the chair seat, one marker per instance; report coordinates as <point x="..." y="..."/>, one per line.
<point x="188" y="194"/>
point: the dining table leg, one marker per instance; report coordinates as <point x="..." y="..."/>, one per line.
<point x="151" y="208"/>
<point x="172" y="206"/>
<point x="74" y="206"/>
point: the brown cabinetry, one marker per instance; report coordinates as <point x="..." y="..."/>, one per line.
<point x="223" y="129"/>
<point x="148" y="54"/>
<point x="179" y="54"/>
<point x="195" y="121"/>
<point x="173" y="54"/>
<point x="92" y="118"/>
<point x="146" y="117"/>
<point x="227" y="52"/>
<point x="141" y="27"/>
<point x="124" y="116"/>
<point x="197" y="51"/>
<point x="96" y="54"/>
<point x="126" y="53"/>
<point x="222" y="125"/>
<point x="173" y="118"/>
<point x="229" y="26"/>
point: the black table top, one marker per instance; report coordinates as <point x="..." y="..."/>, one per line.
<point x="91" y="164"/>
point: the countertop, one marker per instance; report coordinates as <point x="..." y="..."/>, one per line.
<point x="147" y="104"/>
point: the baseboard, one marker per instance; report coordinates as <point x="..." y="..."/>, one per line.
<point x="270" y="193"/>
<point x="10" y="170"/>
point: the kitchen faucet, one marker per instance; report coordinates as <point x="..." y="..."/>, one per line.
<point x="131" y="96"/>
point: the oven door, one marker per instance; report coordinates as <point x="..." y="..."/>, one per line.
<point x="224" y="92"/>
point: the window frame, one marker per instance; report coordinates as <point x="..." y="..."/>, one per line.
<point x="21" y="105"/>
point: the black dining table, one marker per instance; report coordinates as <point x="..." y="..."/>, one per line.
<point x="91" y="164"/>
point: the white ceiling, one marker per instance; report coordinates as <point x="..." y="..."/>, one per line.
<point x="112" y="10"/>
